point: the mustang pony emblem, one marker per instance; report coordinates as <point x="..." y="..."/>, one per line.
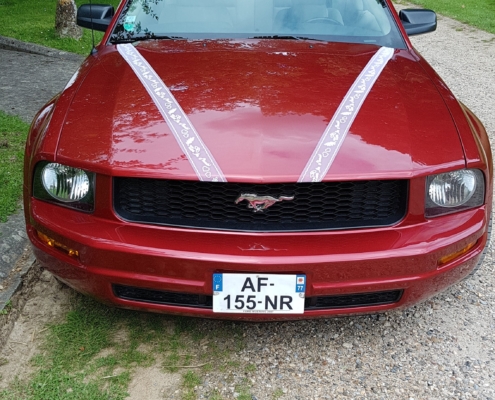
<point x="261" y="203"/>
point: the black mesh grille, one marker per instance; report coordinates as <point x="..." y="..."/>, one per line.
<point x="160" y="297"/>
<point x="353" y="300"/>
<point x="316" y="206"/>
<point x="200" y="301"/>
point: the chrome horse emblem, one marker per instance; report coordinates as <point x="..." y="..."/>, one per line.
<point x="261" y="203"/>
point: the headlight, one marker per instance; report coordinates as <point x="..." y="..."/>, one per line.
<point x="65" y="184"/>
<point x="59" y="183"/>
<point x="454" y="191"/>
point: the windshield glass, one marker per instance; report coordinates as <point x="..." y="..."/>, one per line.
<point x="355" y="21"/>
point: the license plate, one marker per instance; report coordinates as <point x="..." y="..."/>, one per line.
<point x="258" y="293"/>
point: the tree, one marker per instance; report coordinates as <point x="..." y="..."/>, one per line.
<point x="65" y="20"/>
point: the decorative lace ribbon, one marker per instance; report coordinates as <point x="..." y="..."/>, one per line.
<point x="334" y="135"/>
<point x="197" y="153"/>
<point x="199" y="156"/>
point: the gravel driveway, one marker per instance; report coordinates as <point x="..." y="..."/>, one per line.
<point x="441" y="349"/>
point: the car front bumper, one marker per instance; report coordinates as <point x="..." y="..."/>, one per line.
<point x="402" y="258"/>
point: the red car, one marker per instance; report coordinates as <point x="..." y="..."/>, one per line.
<point x="257" y="160"/>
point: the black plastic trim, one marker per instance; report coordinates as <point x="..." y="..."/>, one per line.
<point x="95" y="16"/>
<point x="418" y="21"/>
<point x="154" y="296"/>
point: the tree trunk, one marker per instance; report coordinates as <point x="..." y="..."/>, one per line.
<point x="65" y="20"/>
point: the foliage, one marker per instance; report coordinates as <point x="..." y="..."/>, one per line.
<point x="13" y="134"/>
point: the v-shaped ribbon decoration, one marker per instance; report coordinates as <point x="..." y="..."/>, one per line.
<point x="199" y="156"/>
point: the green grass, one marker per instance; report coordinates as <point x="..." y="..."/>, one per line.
<point x="93" y="353"/>
<point x="250" y="368"/>
<point x="478" y="13"/>
<point x="69" y="366"/>
<point x="244" y="391"/>
<point x="34" y="21"/>
<point x="6" y="310"/>
<point x="190" y="381"/>
<point x="13" y="132"/>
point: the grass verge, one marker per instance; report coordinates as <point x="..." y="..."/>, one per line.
<point x="34" y="21"/>
<point x="13" y="132"/>
<point x="478" y="13"/>
<point x="94" y="353"/>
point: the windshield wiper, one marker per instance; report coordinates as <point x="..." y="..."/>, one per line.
<point x="290" y="37"/>
<point x="141" y="38"/>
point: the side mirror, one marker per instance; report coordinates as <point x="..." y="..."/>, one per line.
<point x="417" y="22"/>
<point x="95" y="16"/>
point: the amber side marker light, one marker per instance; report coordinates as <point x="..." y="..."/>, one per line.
<point x="57" y="245"/>
<point x="450" y="257"/>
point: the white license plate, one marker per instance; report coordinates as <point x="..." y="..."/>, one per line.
<point x="258" y="293"/>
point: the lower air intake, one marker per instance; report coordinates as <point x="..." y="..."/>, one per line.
<point x="201" y="301"/>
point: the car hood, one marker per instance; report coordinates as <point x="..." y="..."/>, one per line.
<point x="260" y="106"/>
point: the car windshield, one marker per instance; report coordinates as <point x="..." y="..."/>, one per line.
<point x="355" y="21"/>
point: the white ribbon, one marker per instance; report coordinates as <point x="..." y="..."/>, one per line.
<point x="186" y="135"/>
<point x="334" y="135"/>
<point x="199" y="156"/>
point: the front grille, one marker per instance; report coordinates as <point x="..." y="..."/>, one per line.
<point x="201" y="301"/>
<point x="211" y="205"/>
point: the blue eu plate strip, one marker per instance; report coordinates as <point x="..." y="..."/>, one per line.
<point x="217" y="282"/>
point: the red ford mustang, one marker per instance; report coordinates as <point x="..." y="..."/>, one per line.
<point x="257" y="159"/>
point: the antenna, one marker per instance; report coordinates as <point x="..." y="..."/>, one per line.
<point x="93" y="49"/>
